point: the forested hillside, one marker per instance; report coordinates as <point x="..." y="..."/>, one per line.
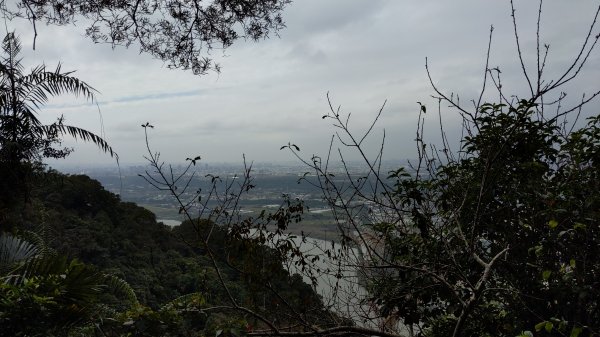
<point x="76" y="217"/>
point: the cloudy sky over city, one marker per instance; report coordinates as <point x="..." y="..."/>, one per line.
<point x="274" y="92"/>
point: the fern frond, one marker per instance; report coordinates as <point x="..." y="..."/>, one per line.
<point x="119" y="286"/>
<point x="40" y="237"/>
<point x="195" y="299"/>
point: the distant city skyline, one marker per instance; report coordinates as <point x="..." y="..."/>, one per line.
<point x="274" y="92"/>
<point x="289" y="166"/>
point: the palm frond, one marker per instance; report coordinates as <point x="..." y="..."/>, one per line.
<point x="79" y="133"/>
<point x="22" y="135"/>
<point x="27" y="116"/>
<point x="13" y="251"/>
<point x="82" y="283"/>
<point x="39" y="266"/>
<point x="11" y="45"/>
<point x="40" y="83"/>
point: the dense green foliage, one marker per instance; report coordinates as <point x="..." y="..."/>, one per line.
<point x="46" y="294"/>
<point x="506" y="239"/>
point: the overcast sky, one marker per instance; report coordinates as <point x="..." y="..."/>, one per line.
<point x="274" y="92"/>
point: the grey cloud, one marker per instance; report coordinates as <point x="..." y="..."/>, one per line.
<point x="307" y="18"/>
<point x="272" y="92"/>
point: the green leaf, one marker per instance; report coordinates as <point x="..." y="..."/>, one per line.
<point x="546" y="274"/>
<point x="549" y="326"/>
<point x="526" y="334"/>
<point x="538" y="250"/>
<point x="562" y="325"/>
<point x="552" y="224"/>
<point x="572" y="263"/>
<point x="540" y="326"/>
<point x="575" y="332"/>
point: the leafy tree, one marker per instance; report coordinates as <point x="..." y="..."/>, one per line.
<point x="510" y="240"/>
<point x="181" y="33"/>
